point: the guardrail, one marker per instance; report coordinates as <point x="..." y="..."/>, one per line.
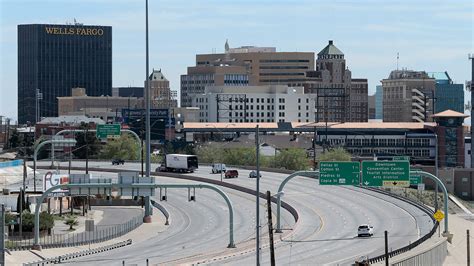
<point x="411" y="245"/>
<point x="74" y="255"/>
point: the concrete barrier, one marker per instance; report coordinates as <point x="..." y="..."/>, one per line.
<point x="433" y="254"/>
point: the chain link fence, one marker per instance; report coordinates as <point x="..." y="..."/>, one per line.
<point x="99" y="234"/>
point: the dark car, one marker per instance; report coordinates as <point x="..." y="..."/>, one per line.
<point x="161" y="168"/>
<point x="117" y="161"/>
<point x="231" y="174"/>
<point x="253" y="174"/>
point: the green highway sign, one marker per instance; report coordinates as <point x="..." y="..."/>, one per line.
<point x="385" y="173"/>
<point x="339" y="173"/>
<point x="401" y="158"/>
<point x="415" y="179"/>
<point x="108" y="131"/>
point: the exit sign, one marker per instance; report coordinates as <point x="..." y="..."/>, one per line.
<point x="339" y="173"/>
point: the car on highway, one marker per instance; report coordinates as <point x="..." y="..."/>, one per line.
<point x="117" y="161"/>
<point x="218" y="168"/>
<point x="365" y="230"/>
<point x="231" y="174"/>
<point x="253" y="174"/>
<point x="161" y="168"/>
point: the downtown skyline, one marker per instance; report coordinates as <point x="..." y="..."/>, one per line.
<point x="429" y="35"/>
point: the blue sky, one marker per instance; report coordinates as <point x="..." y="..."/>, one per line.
<point x="428" y="35"/>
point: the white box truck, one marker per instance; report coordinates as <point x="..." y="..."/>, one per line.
<point x="181" y="163"/>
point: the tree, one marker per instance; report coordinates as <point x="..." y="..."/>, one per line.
<point x="46" y="221"/>
<point x="9" y="217"/>
<point x="338" y="154"/>
<point x="125" y="148"/>
<point x="71" y="220"/>
<point x="210" y="154"/>
<point x="82" y="139"/>
<point x="292" y="159"/>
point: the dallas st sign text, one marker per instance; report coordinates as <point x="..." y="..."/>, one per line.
<point x="74" y="31"/>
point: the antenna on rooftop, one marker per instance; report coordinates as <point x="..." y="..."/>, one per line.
<point x="398" y="57"/>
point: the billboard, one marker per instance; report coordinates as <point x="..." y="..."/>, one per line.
<point x="51" y="179"/>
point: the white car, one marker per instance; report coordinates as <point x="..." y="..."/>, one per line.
<point x="218" y="168"/>
<point x="365" y="230"/>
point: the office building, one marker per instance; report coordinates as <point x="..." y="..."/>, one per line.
<point x="266" y="103"/>
<point x="408" y="96"/>
<point x="246" y="65"/>
<point x="160" y="93"/>
<point x="52" y="59"/>
<point x="339" y="97"/>
<point x="371" y="108"/>
<point x="198" y="77"/>
<point x="379" y="102"/>
<point x="107" y="108"/>
<point x="449" y="96"/>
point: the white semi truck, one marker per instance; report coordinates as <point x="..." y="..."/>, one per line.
<point x="180" y="163"/>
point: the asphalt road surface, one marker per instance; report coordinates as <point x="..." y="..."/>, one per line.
<point x="325" y="234"/>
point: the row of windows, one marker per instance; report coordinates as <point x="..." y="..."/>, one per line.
<point x="183" y="82"/>
<point x="251" y="120"/>
<point x="425" y="153"/>
<point x="283" y="61"/>
<point x="281" y="74"/>
<point x="282" y="80"/>
<point x="284" y="67"/>
<point x="417" y="142"/>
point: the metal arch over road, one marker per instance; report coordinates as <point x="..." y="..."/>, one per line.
<point x="316" y="173"/>
<point x="37" y="246"/>
<point x="445" y="191"/>
<point x="280" y="189"/>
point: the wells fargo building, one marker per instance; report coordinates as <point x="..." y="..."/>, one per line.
<point x="55" y="58"/>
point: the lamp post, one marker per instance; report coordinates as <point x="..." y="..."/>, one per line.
<point x="257" y="227"/>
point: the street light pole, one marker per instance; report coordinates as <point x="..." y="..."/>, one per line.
<point x="147" y="97"/>
<point x="257" y="228"/>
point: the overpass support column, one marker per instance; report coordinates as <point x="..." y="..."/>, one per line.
<point x="147" y="217"/>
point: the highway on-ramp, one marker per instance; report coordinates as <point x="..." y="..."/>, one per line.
<point x="326" y="232"/>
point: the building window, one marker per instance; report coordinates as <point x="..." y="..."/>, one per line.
<point x="299" y="100"/>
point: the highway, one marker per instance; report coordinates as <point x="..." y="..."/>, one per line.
<point x="325" y="233"/>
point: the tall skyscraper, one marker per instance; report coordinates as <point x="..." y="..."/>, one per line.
<point x="53" y="59"/>
<point x="449" y="96"/>
<point x="160" y="93"/>
<point x="408" y="96"/>
<point x="340" y="98"/>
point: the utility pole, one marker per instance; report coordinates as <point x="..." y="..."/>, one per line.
<point x="147" y="98"/>
<point x="314" y="149"/>
<point x="2" y="237"/>
<point x="386" y="248"/>
<point x="471" y="57"/>
<point x="257" y="219"/>
<point x="270" y="228"/>
<point x="468" y="249"/>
